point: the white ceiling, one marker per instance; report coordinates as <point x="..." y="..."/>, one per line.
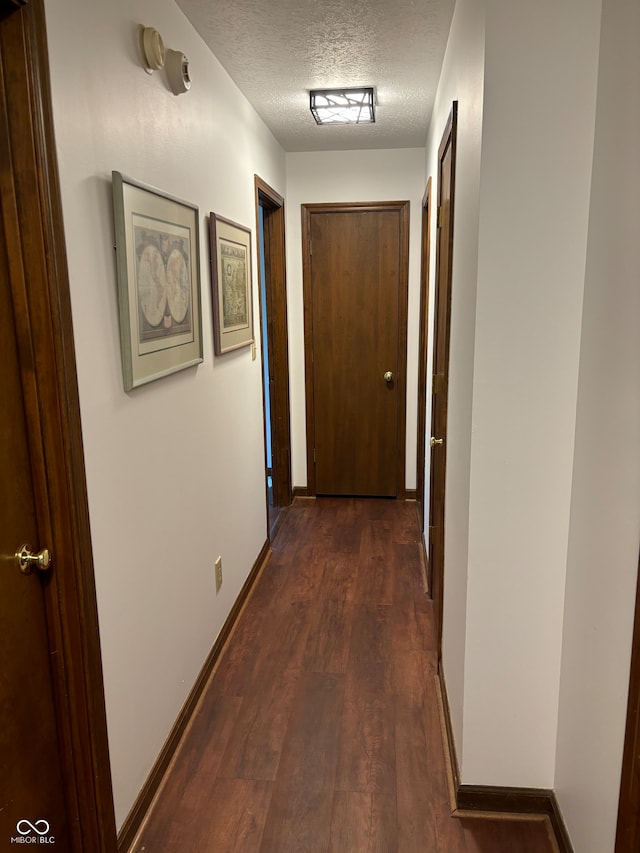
<point x="276" y="50"/>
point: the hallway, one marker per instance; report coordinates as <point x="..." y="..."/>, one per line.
<point x="320" y="727"/>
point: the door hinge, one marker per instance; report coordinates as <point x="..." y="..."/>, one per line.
<point x="431" y="534"/>
<point x="310" y="246"/>
<point x="439" y="217"/>
<point x="314" y="455"/>
<point x="438" y="383"/>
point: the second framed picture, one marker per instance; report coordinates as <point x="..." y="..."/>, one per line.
<point x="231" y="284"/>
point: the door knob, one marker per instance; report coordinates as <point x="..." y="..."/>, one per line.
<point x="388" y="377"/>
<point x="27" y="560"/>
<point x="435" y="441"/>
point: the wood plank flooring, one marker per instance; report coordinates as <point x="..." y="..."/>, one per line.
<point x="319" y="731"/>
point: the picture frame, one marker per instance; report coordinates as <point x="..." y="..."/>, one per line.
<point x="231" y="284"/>
<point x="158" y="266"/>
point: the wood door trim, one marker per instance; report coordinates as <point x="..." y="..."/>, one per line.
<point x="449" y="139"/>
<point x="425" y="247"/>
<point x="628" y="827"/>
<point x="43" y="306"/>
<point x="307" y="210"/>
<point x="276" y="298"/>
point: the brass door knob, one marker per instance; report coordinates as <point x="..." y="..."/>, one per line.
<point x="27" y="560"/>
<point x="435" y="441"/>
<point x="388" y="377"/>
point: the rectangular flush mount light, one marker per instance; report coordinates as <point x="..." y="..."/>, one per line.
<point x="342" y="106"/>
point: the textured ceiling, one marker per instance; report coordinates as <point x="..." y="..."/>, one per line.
<point x="276" y="50"/>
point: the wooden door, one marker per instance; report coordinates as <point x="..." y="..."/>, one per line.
<point x="55" y="784"/>
<point x="30" y="779"/>
<point x="356" y="304"/>
<point x="442" y="324"/>
<point x="425" y="251"/>
<point x="628" y="830"/>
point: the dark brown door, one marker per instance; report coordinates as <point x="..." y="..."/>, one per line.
<point x="356" y="347"/>
<point x="55" y="782"/>
<point x="30" y="780"/>
<point x="442" y="324"/>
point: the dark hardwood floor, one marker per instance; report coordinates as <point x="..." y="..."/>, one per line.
<point x="320" y="730"/>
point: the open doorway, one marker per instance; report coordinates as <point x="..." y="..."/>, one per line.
<point x="275" y="358"/>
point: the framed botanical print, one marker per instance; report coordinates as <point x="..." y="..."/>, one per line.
<point x="231" y="284"/>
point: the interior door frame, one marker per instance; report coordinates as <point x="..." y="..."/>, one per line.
<point x="423" y="352"/>
<point x="628" y="827"/>
<point x="275" y="287"/>
<point x="440" y="384"/>
<point x="42" y="310"/>
<point x="307" y="211"/>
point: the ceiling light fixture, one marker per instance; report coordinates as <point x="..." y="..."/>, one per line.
<point x="342" y="106"/>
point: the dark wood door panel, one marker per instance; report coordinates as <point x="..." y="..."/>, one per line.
<point x="442" y="326"/>
<point x="355" y="296"/>
<point x="355" y="341"/>
<point x="30" y="780"/>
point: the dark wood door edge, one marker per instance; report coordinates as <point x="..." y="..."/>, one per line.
<point x="441" y="347"/>
<point x="473" y="800"/>
<point x="141" y="808"/>
<point x="425" y="254"/>
<point x="63" y="516"/>
<point x="628" y="828"/>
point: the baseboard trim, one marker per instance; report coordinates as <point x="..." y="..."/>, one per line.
<point x="490" y="799"/>
<point x="559" y="826"/>
<point x="447" y="733"/>
<point x="135" y="819"/>
<point x="303" y="492"/>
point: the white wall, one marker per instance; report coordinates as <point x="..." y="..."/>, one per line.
<point x="605" y="506"/>
<point x="462" y="79"/>
<point x="175" y="469"/>
<point x="344" y="176"/>
<point x="537" y="148"/>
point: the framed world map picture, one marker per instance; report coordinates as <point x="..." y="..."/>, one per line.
<point x="157" y="252"/>
<point x="231" y="284"/>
